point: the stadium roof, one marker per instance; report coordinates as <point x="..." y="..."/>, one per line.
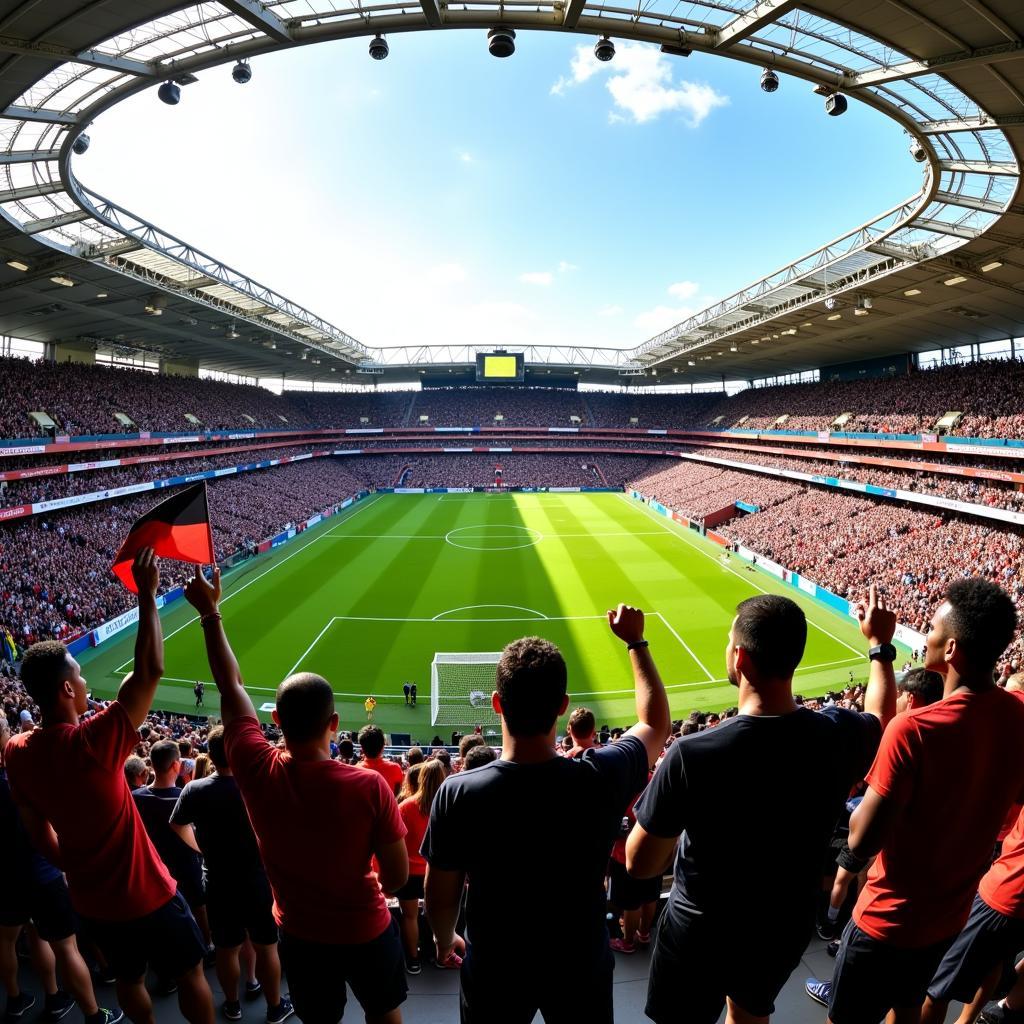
<point x="943" y="268"/>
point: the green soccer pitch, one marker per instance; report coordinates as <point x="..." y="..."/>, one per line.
<point x="367" y="597"/>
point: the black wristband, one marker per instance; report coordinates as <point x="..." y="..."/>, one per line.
<point x="636" y="645"/>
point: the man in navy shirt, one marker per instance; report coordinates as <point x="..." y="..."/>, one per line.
<point x="526" y="862"/>
<point x="755" y="800"/>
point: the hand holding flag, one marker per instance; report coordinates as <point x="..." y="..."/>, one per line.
<point x="176" y="528"/>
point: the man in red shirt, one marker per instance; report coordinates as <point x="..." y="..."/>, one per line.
<point x="371" y="740"/>
<point x="318" y="823"/>
<point x="68" y="781"/>
<point x="942" y="782"/>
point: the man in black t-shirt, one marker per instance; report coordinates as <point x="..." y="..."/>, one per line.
<point x="525" y="863"/>
<point x="755" y="800"/>
<point x="210" y="814"/>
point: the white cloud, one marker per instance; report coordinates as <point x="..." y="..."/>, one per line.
<point x="610" y="311"/>
<point x="565" y="268"/>
<point x="661" y="318"/>
<point x="684" y="289"/>
<point x="541" y="277"/>
<point x="446" y="273"/>
<point x="642" y="85"/>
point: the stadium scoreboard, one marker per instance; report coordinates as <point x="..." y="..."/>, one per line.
<point x="500" y="367"/>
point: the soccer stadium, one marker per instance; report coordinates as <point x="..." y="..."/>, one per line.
<point x="812" y="487"/>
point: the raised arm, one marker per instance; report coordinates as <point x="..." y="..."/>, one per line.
<point x="653" y="717"/>
<point x="139" y="687"/>
<point x="878" y="624"/>
<point x="205" y="598"/>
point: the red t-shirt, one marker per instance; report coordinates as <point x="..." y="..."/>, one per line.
<point x="73" y="776"/>
<point x="1002" y="888"/>
<point x="954" y="768"/>
<point x="416" y="823"/>
<point x="391" y="772"/>
<point x="317" y="823"/>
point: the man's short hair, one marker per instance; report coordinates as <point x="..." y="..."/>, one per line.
<point x="135" y="771"/>
<point x="415" y="756"/>
<point x="582" y="723"/>
<point x="371" y="739"/>
<point x="346" y="749"/>
<point x="185" y="748"/>
<point x="44" y="668"/>
<point x="981" y="618"/>
<point x="925" y="687"/>
<point x="467" y="743"/>
<point x="531" y="681"/>
<point x="479" y="755"/>
<point x="305" y="705"/>
<point x="163" y="755"/>
<point x="443" y="756"/>
<point x="215" y="747"/>
<point x="773" y="631"/>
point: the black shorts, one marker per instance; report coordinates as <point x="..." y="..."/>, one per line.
<point x="47" y="905"/>
<point x="507" y="993"/>
<point x="873" y="977"/>
<point x="412" y="890"/>
<point x="694" y="964"/>
<point x="989" y="939"/>
<point x="239" y="910"/>
<point x="168" y="940"/>
<point x="317" y="973"/>
<point x="628" y="893"/>
<point x="191" y="886"/>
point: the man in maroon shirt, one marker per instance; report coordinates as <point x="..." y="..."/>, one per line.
<point x="942" y="782"/>
<point x="318" y="822"/>
<point x="68" y="781"/>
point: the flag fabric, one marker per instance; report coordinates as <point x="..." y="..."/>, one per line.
<point x="7" y="645"/>
<point x="176" y="528"/>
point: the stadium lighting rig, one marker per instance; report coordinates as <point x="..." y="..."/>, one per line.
<point x="242" y="72"/>
<point x="604" y="49"/>
<point x="769" y="80"/>
<point x="501" y="42"/>
<point x="379" y="47"/>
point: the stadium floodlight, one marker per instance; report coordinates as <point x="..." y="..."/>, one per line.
<point x="831" y="302"/>
<point x="604" y="49"/>
<point x="769" y="80"/>
<point x="232" y="333"/>
<point x="16" y="264"/>
<point x="61" y="279"/>
<point x="379" y="47"/>
<point x="81" y="144"/>
<point x="170" y="93"/>
<point x="241" y="72"/>
<point x="835" y="104"/>
<point x="501" y="42"/>
<point x="917" y="151"/>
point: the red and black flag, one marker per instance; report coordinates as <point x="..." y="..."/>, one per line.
<point x="176" y="528"/>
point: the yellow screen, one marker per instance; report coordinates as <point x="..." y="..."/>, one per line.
<point x="499" y="366"/>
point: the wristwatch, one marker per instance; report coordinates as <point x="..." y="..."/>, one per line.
<point x="882" y="652"/>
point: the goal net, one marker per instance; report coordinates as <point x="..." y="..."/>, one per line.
<point x="461" y="685"/>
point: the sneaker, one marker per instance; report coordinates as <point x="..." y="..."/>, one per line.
<point x="19" y="1005"/>
<point x="105" y="976"/>
<point x="114" y="1016"/>
<point x="833" y="948"/>
<point x="997" y="1013"/>
<point x="413" y="966"/>
<point x="57" y="1006"/>
<point x="281" y="1012"/>
<point x="826" y="930"/>
<point x="166" y="986"/>
<point x="622" y="946"/>
<point x="232" y="1009"/>
<point x="819" y="991"/>
<point x="643" y="938"/>
<point x="253" y="990"/>
<point x="452" y="962"/>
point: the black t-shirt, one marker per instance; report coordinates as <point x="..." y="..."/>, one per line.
<point x="755" y="800"/>
<point x="214" y="806"/>
<point x="155" y="806"/>
<point x="533" y="838"/>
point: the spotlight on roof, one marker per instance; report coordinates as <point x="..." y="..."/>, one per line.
<point x="232" y="333"/>
<point x="169" y="93"/>
<point x="769" y="80"/>
<point x="378" y="47"/>
<point x="501" y="42"/>
<point x="835" y="104"/>
<point x="831" y="302"/>
<point x="241" y="72"/>
<point x="81" y="144"/>
<point x="604" y="49"/>
<point x="918" y="152"/>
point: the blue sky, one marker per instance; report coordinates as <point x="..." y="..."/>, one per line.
<point x="445" y="196"/>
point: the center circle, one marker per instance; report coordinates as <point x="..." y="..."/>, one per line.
<point x="493" y="537"/>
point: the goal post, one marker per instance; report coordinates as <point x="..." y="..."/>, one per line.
<point x="461" y="684"/>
